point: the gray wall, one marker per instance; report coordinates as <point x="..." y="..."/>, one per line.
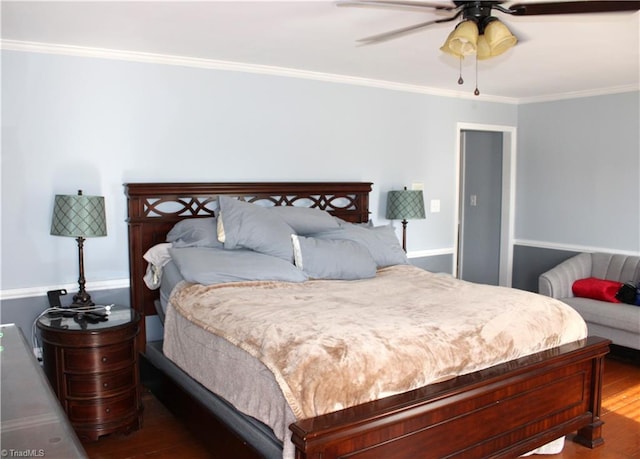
<point x="73" y="123"/>
<point x="530" y="262"/>
<point x="82" y="123"/>
<point x="578" y="186"/>
<point x="578" y="169"/>
<point x="436" y="263"/>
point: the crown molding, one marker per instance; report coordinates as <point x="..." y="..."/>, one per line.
<point x="580" y="94"/>
<point x="213" y="64"/>
<point x="152" y="58"/>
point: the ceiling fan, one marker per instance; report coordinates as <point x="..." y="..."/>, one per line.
<point x="480" y="11"/>
<point x="478" y="32"/>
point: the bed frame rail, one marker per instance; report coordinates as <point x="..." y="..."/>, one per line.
<point x="501" y="412"/>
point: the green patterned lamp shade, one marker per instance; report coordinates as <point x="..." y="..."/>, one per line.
<point x="78" y="216"/>
<point x="405" y="205"/>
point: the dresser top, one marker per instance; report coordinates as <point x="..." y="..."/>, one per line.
<point x="32" y="419"/>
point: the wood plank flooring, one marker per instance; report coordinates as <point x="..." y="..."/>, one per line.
<point x="162" y="436"/>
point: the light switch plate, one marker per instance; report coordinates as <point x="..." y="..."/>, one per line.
<point x="434" y="206"/>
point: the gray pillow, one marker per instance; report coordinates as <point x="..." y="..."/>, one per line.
<point x="204" y="265"/>
<point x="306" y="220"/>
<point x="245" y="225"/>
<point x="332" y="259"/>
<point x="194" y="232"/>
<point x="381" y="241"/>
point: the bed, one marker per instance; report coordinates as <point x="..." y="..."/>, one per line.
<point x="538" y="397"/>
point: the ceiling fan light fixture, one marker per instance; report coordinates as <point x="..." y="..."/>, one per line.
<point x="446" y="48"/>
<point x="498" y="37"/>
<point x="463" y="40"/>
<point x="484" y="50"/>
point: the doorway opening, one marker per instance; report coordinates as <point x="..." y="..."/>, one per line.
<point x="485" y="201"/>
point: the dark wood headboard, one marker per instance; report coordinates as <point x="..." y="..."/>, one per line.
<point x="153" y="209"/>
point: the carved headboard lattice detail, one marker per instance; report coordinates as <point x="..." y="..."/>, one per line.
<point x="206" y="206"/>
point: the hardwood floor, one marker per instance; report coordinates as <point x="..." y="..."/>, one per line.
<point x="162" y="436"/>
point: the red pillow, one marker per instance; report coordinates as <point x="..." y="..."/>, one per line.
<point x="597" y="289"/>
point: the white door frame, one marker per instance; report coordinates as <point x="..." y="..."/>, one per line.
<point x="508" y="195"/>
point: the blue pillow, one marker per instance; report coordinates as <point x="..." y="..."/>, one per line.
<point x="245" y="225"/>
<point x="306" y="220"/>
<point x="204" y="265"/>
<point x="194" y="232"/>
<point x="332" y="259"/>
<point x="381" y="241"/>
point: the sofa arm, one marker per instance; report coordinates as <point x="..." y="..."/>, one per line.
<point x="557" y="282"/>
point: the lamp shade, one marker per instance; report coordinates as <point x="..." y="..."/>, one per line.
<point x="78" y="216"/>
<point x="463" y="40"/>
<point x="405" y="205"/>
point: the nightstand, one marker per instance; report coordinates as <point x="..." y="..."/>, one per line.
<point x="93" y="369"/>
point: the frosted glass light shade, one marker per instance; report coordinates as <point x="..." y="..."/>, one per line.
<point x="484" y="51"/>
<point x="462" y="41"/>
<point x="499" y="38"/>
<point x="465" y="40"/>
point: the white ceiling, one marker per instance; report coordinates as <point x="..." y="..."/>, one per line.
<point x="556" y="56"/>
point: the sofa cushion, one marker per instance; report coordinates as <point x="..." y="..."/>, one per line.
<point x="615" y="315"/>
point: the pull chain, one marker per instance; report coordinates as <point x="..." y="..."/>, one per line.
<point x="460" y="80"/>
<point x="477" y="91"/>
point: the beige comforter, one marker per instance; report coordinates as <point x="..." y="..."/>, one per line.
<point x="335" y="344"/>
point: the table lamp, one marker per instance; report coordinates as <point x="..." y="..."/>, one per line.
<point x="81" y="217"/>
<point x="405" y="204"/>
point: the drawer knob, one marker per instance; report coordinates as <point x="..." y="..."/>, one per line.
<point x="104" y="360"/>
<point x="107" y="410"/>
<point x="105" y="385"/>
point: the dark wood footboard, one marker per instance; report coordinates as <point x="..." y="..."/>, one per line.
<point x="503" y="411"/>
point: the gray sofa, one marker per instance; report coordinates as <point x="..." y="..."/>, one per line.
<point x="618" y="322"/>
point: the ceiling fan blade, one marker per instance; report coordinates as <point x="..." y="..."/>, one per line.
<point x="403" y="31"/>
<point x="577" y="7"/>
<point x="397" y="4"/>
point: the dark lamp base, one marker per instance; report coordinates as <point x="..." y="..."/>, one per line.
<point x="82" y="299"/>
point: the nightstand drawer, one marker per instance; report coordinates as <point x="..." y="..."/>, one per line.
<point x="103" y="410"/>
<point x="100" y="385"/>
<point x="100" y="359"/>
